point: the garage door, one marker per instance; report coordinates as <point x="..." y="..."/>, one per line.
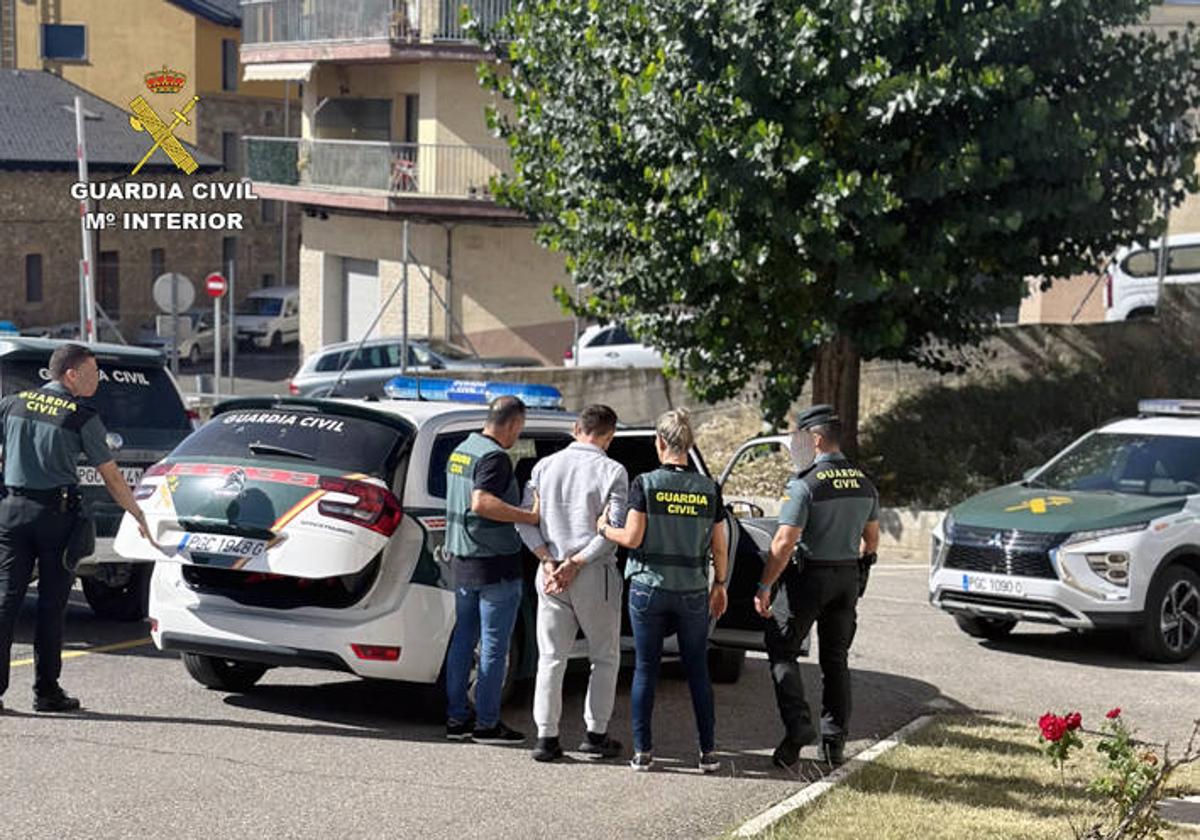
<point x="360" y="279"/>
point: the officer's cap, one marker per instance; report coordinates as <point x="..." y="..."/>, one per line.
<point x="817" y="415"/>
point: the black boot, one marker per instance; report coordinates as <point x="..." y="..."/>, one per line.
<point x="833" y="751"/>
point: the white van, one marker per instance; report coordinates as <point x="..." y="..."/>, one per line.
<point x="269" y="317"/>
<point x="1131" y="281"/>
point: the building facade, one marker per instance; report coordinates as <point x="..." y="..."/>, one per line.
<point x="393" y="138"/>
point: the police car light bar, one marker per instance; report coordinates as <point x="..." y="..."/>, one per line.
<point x="1184" y="407"/>
<point x="475" y="393"/>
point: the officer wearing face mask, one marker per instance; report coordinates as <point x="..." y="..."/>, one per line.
<point x="821" y="554"/>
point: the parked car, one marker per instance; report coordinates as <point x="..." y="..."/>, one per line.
<point x="1131" y="281"/>
<point x="610" y="345"/>
<point x="311" y="533"/>
<point x="196" y="336"/>
<point x="269" y="318"/>
<point x="378" y="360"/>
<point x="1105" y="535"/>
<point x="144" y="412"/>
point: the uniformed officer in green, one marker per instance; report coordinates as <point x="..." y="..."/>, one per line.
<point x="44" y="432"/>
<point x="830" y="519"/>
<point x="675" y="519"/>
<point x="482" y="507"/>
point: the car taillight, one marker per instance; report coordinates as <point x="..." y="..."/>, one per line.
<point x="193" y="417"/>
<point x="376" y="508"/>
<point x="292" y="389"/>
<point x="145" y="491"/>
<point x="568" y="354"/>
<point x="378" y="653"/>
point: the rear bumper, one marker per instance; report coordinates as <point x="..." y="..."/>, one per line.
<point x="418" y="619"/>
<point x="263" y="654"/>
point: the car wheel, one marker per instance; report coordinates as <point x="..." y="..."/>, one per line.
<point x="1170" y="630"/>
<point x="126" y="602"/>
<point x="985" y="628"/>
<point x="194" y="355"/>
<point x="222" y="674"/>
<point x="725" y="665"/>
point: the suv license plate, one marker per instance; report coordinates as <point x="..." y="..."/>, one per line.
<point x="223" y="545"/>
<point x="90" y="476"/>
<point x="993" y="585"/>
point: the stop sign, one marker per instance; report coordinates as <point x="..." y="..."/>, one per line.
<point x="215" y="285"/>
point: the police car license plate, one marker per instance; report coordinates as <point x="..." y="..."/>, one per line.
<point x="90" y="476"/>
<point x="993" y="585"/>
<point x="223" y="545"/>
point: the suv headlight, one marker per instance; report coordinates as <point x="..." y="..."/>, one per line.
<point x="1088" y="536"/>
<point x="938" y="549"/>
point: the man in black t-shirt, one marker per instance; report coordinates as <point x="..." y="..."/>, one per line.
<point x="482" y="507"/>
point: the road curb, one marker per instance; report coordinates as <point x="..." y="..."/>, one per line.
<point x="811" y="793"/>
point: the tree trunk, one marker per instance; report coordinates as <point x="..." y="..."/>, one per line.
<point x="835" y="381"/>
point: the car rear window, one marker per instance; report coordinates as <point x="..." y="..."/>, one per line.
<point x="137" y="401"/>
<point x="320" y="439"/>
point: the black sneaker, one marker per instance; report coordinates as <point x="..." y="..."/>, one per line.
<point x="833" y="751"/>
<point x="709" y="763"/>
<point x="498" y="734"/>
<point x="548" y="749"/>
<point x="600" y="746"/>
<point x="641" y="762"/>
<point x="58" y="701"/>
<point x="456" y="731"/>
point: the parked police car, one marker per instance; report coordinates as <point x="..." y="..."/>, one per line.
<point x="1107" y="534"/>
<point x="310" y="532"/>
<point x="143" y="410"/>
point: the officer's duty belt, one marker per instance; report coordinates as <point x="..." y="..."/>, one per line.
<point x="49" y="495"/>
<point x="809" y="563"/>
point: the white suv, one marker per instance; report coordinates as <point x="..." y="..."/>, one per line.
<point x="310" y="533"/>
<point x="1106" y="534"/>
<point x="1131" y="278"/>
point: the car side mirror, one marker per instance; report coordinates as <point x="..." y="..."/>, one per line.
<point x="745" y="510"/>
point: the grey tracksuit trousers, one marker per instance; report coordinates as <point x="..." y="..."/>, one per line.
<point x="592" y="603"/>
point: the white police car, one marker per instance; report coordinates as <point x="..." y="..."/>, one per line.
<point x="1106" y="534"/>
<point x="305" y="532"/>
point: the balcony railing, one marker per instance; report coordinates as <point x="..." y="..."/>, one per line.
<point x="278" y="22"/>
<point x="398" y="169"/>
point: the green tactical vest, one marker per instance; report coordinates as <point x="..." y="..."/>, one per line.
<point x="679" y="525"/>
<point x="469" y="534"/>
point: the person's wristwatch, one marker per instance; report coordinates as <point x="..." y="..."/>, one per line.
<point x="601" y="531"/>
<point x="762" y="587"/>
<point x="719" y="582"/>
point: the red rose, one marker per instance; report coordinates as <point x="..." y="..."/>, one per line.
<point x="1073" y="721"/>
<point x="1053" y="727"/>
<point x="1113" y="714"/>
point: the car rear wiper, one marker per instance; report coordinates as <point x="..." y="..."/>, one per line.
<point x="260" y="448"/>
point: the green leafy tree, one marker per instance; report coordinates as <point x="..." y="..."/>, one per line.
<point x="758" y="186"/>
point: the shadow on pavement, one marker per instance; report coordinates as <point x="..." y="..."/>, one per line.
<point x="1103" y="648"/>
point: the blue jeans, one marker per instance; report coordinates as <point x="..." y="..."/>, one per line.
<point x="491" y="608"/>
<point x="654" y="614"/>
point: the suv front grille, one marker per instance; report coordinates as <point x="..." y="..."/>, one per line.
<point x="1003" y="552"/>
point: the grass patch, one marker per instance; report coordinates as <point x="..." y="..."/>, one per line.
<point x="976" y="777"/>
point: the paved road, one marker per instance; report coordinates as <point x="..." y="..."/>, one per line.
<point x="321" y="755"/>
